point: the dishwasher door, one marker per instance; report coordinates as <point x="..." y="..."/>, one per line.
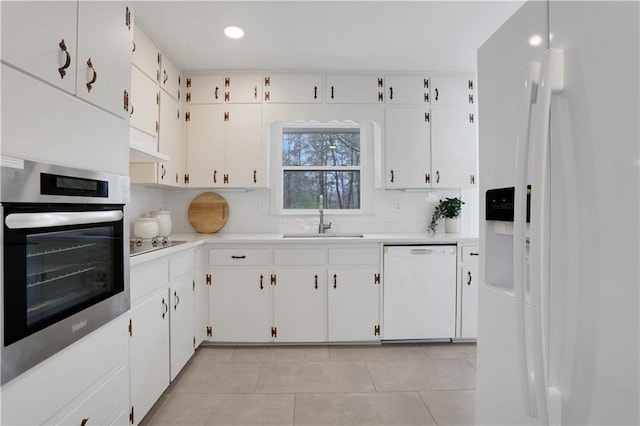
<point x="419" y="292"/>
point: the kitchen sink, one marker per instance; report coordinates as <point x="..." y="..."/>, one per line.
<point x="325" y="235"/>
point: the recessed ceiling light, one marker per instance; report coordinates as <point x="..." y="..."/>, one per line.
<point x="233" y="32"/>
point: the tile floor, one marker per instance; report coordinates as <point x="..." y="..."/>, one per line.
<point x="390" y="384"/>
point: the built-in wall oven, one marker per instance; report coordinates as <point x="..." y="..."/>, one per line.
<point x="65" y="258"/>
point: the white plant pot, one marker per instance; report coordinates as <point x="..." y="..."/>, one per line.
<point x="452" y="225"/>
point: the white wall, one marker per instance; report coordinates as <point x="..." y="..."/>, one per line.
<point x="250" y="211"/>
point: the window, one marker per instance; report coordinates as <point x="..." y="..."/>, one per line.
<point x="321" y="160"/>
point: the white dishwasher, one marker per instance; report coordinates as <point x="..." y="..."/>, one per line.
<point x="419" y="292"/>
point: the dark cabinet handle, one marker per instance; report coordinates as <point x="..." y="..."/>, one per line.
<point x="469" y="282"/>
<point x="239" y="257"/>
<point x="335" y="281"/>
<point x="331" y="92"/>
<point x="392" y="176"/>
<point x="315" y="92"/>
<point x="215" y="94"/>
<point x="166" y="307"/>
<point x="391" y="93"/>
<point x="437" y="94"/>
<point x="255" y="176"/>
<point x="316" y="279"/>
<point x="215" y="176"/>
<point x="67" y="62"/>
<point x="166" y="77"/>
<point x="175" y="307"/>
<point x="474" y="254"/>
<point x="437" y="176"/>
<point x="164" y="171"/>
<point x="84" y="421"/>
<point x="134" y="46"/>
<point x="261" y="278"/>
<point x="95" y="75"/>
<point x="132" y="109"/>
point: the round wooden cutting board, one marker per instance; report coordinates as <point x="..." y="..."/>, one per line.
<point x="208" y="212"/>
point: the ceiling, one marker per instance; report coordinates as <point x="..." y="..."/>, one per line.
<point x="323" y="35"/>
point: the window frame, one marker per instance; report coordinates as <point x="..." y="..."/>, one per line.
<point x="367" y="135"/>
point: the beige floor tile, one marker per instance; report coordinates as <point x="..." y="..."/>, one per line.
<point x="281" y="354"/>
<point x="439" y="374"/>
<point x="450" y="350"/>
<point x="153" y="412"/>
<point x="456" y="407"/>
<point x="227" y="410"/>
<point x="361" y="409"/>
<point x="218" y="377"/>
<point x="386" y="352"/>
<point x="305" y="377"/>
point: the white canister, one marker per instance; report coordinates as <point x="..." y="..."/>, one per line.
<point x="146" y="227"/>
<point x="164" y="221"/>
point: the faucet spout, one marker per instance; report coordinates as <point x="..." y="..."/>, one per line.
<point x="322" y="227"/>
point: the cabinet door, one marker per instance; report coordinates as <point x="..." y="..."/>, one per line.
<point x="170" y="140"/>
<point x="469" y="302"/>
<point x="146" y="55"/>
<point x="181" y="322"/>
<point x="144" y="103"/>
<point x="454" y="147"/>
<point x="299" y="305"/>
<point x="32" y="35"/>
<point x="408" y="147"/>
<point x="293" y="88"/>
<point x="105" y="42"/>
<point x="149" y="352"/>
<point x="205" y="89"/>
<point x="204" y="145"/>
<point x="353" y="304"/>
<point x="243" y="88"/>
<point x="452" y="90"/>
<point x="170" y="78"/>
<point x="202" y="301"/>
<point x="239" y="305"/>
<point x="355" y="88"/>
<point x="407" y="89"/>
<point x="243" y="146"/>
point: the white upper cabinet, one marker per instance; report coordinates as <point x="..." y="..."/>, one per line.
<point x="453" y="90"/>
<point x="407" y="89"/>
<point x="242" y="88"/>
<point x="204" y="145"/>
<point x="205" y="89"/>
<point x="170" y="79"/>
<point x="146" y="55"/>
<point x="407" y="147"/>
<point x="105" y="42"/>
<point x="39" y="38"/>
<point x="292" y="88"/>
<point x="355" y="88"/>
<point x="170" y="141"/>
<point x="144" y="103"/>
<point x="454" y="157"/>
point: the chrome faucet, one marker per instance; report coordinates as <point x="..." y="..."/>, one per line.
<point x="321" y="226"/>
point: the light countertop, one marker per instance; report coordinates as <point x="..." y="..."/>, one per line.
<point x="196" y="239"/>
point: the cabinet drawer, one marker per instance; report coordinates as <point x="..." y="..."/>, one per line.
<point x="147" y="278"/>
<point x="299" y="256"/>
<point x="354" y="256"/>
<point x="239" y="256"/>
<point x="470" y="254"/>
<point x="181" y="264"/>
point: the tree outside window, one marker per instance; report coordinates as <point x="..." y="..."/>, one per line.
<point x="321" y="161"/>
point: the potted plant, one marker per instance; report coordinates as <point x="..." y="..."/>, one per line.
<point x="449" y="209"/>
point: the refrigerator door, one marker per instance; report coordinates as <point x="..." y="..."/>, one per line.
<point x="594" y="206"/>
<point x="502" y="394"/>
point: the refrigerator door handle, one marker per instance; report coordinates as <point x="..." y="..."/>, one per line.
<point x="527" y="100"/>
<point x="548" y="400"/>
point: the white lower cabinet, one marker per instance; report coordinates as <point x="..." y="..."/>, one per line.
<point x="468" y="292"/>
<point x="239" y="305"/>
<point x="161" y="326"/>
<point x="202" y="298"/>
<point x="287" y="294"/>
<point x="149" y="364"/>
<point x="353" y="304"/>
<point x="87" y="383"/>
<point x="299" y="305"/>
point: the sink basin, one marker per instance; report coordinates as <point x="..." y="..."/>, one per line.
<point x="326" y="235"/>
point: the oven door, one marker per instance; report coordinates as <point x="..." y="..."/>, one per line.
<point x="64" y="277"/>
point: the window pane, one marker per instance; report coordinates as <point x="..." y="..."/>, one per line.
<point x="321" y="147"/>
<point x="341" y="189"/>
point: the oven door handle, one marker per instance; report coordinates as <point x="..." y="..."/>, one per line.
<point x="45" y="220"/>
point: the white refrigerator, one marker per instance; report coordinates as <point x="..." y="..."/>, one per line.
<point x="558" y="315"/>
